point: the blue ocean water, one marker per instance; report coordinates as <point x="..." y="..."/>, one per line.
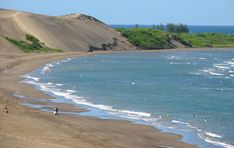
<point x="186" y="92"/>
<point x="192" y="28"/>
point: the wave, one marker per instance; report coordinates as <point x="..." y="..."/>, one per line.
<point x="216" y="74"/>
<point x="173" y="57"/>
<point x="213" y="135"/>
<point x="219" y="66"/>
<point x="68" y="94"/>
<point x="47" y="68"/>
<point x="205" y="135"/>
<point x="71" y="91"/>
<point x="179" y="122"/>
<point x="218" y="143"/>
<point x="31" y="77"/>
<point x="224" y="68"/>
<point x="126" y="114"/>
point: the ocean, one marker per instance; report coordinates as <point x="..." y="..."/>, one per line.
<point x="192" y="28"/>
<point x="185" y="92"/>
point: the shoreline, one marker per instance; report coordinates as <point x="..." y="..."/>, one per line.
<point x="15" y="65"/>
<point x="22" y="125"/>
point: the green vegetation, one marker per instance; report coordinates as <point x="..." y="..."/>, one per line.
<point x="209" y="39"/>
<point x="180" y="28"/>
<point x="32" y="44"/>
<point x="149" y="38"/>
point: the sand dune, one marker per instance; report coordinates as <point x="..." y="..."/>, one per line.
<point x="74" y="32"/>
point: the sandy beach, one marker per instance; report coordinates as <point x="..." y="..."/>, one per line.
<point x="27" y="127"/>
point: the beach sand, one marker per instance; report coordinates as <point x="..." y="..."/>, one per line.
<point x="26" y="127"/>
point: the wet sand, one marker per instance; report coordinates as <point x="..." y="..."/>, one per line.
<point x="26" y="127"/>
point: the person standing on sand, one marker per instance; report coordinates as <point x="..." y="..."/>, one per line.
<point x="5" y="109"/>
<point x="56" y="111"/>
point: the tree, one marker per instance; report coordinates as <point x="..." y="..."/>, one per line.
<point x="171" y="27"/>
<point x="136" y="26"/>
<point x="180" y="28"/>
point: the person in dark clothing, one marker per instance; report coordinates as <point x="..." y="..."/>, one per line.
<point x="56" y="111"/>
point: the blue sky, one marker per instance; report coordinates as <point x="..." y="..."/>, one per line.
<point x="191" y="12"/>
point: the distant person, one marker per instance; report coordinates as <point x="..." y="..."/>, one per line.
<point x="56" y="111"/>
<point x="193" y="116"/>
<point x="5" y="109"/>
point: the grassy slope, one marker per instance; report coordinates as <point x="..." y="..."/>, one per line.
<point x="209" y="39"/>
<point x="156" y="39"/>
<point x="146" y="38"/>
<point x="31" y="45"/>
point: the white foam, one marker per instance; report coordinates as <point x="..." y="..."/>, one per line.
<point x="202" y="58"/>
<point x="71" y="91"/>
<point x="229" y="62"/>
<point x="82" y="101"/>
<point x="31" y="77"/>
<point x="47" y="68"/>
<point x="221" y="67"/>
<point x="194" y="73"/>
<point x="175" y="63"/>
<point x="179" y="122"/>
<point x="219" y="143"/>
<point x="66" y="60"/>
<point x="216" y="74"/>
<point x="143" y="114"/>
<point x="59" y="84"/>
<point x="213" y="135"/>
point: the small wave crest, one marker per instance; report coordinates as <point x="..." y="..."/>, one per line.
<point x="47" y="68"/>
<point x="224" y="69"/>
<point x="213" y="135"/>
<point x="218" y="143"/>
<point x="31" y="77"/>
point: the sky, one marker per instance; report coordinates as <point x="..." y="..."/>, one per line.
<point x="190" y="12"/>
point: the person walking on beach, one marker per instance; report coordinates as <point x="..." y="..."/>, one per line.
<point x="5" y="109"/>
<point x="56" y="111"/>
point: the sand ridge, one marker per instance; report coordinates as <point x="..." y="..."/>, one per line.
<point x="74" y="32"/>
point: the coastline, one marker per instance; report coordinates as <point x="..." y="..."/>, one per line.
<point x="26" y="127"/>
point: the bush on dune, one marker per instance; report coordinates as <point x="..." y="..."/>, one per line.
<point x="31" y="45"/>
<point x="148" y="38"/>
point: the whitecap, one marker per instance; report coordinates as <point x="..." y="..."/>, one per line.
<point x="213" y="135"/>
<point x="31" y="77"/>
<point x="179" y="122"/>
<point x="221" y="66"/>
<point x="46" y="68"/>
<point x="219" y="143"/>
<point x="216" y="74"/>
<point x="202" y="58"/>
<point x="71" y="91"/>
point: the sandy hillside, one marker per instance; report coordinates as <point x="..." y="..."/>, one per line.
<point x="70" y="32"/>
